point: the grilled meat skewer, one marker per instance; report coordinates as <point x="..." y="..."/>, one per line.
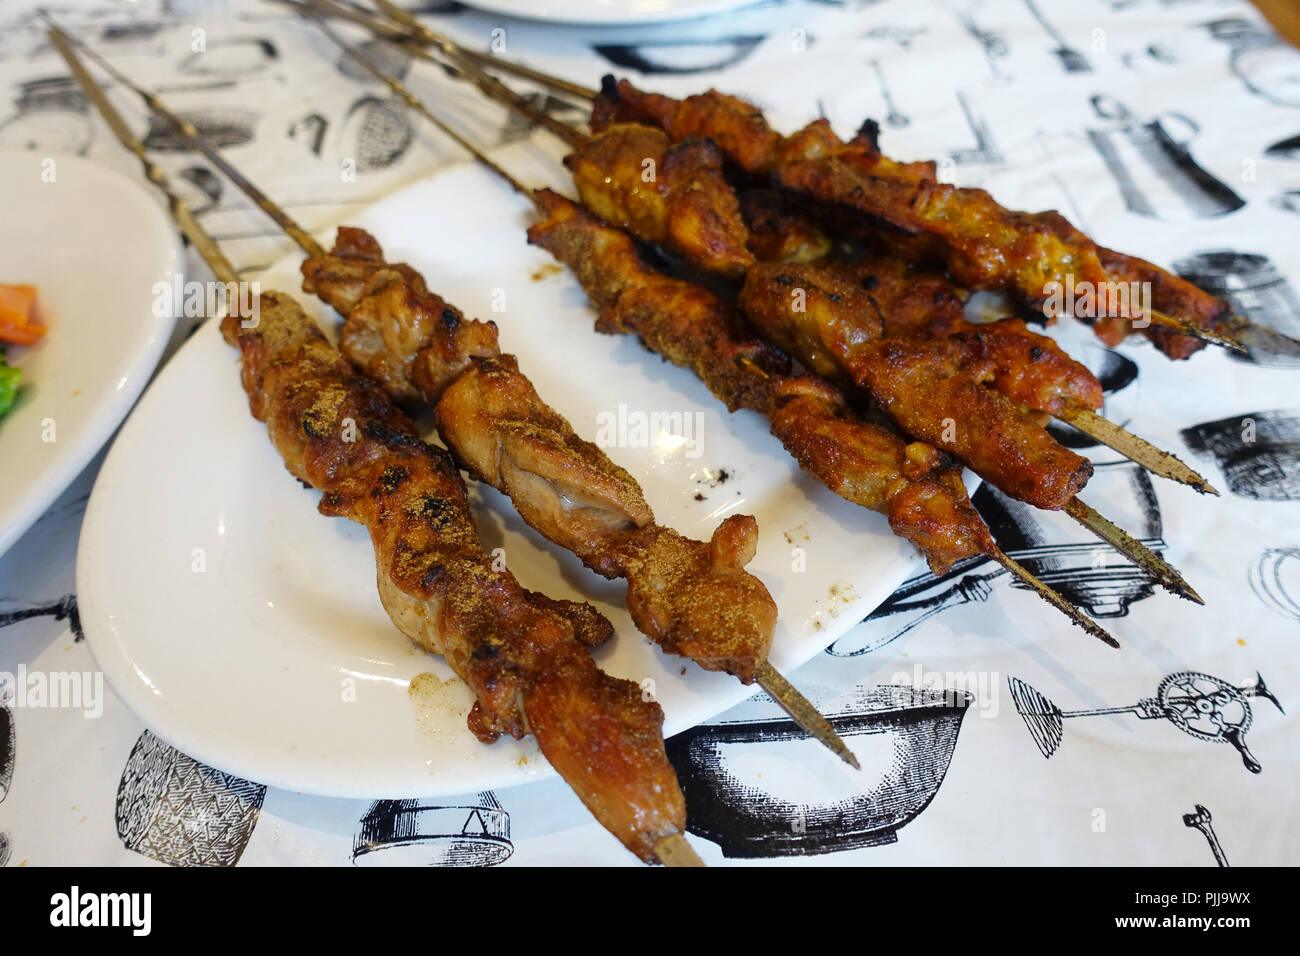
<point x="522" y="653"/>
<point x="692" y="598"/>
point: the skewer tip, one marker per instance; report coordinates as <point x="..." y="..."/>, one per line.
<point x="804" y="713"/>
<point x="674" y="850"/>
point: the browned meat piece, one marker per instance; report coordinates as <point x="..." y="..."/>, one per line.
<point x="667" y="193"/>
<point x="830" y="324"/>
<point x="690" y="326"/>
<point x="777" y="233"/>
<point x="566" y="488"/>
<point x="1028" y="368"/>
<point x="983" y="244"/>
<point x="520" y="657"/>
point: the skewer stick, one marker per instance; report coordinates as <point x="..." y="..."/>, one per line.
<point x="1153" y="459"/>
<point x="793" y="702"/>
<point x="672" y="850"/>
<point x="451" y="49"/>
<point x="1205" y="335"/>
<point x="675" y="851"/>
<point x="803" y="712"/>
<point x="180" y="210"/>
<point x="1051" y="596"/>
<point x="416" y="38"/>
<point x="1130" y="547"/>
<point x="192" y="138"/>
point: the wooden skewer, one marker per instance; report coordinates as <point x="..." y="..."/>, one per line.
<point x="1153" y="459"/>
<point x="672" y="850"/>
<point x="423" y="35"/>
<point x="418" y="38"/>
<point x="1130" y="547"/>
<point x="1047" y="593"/>
<point x="794" y="703"/>
<point x="180" y="210"/>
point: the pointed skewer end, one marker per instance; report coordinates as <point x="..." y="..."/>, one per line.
<point x="804" y="713"/>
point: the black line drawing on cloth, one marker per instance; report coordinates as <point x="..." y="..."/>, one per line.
<point x="175" y="810"/>
<point x="64" y="609"/>
<point x="223" y="128"/>
<point x="422" y="833"/>
<point x="207" y="185"/>
<point x="376" y="133"/>
<point x="1255" y="288"/>
<point x="992" y="42"/>
<point x="1275" y="579"/>
<point x="1154" y="52"/>
<point x="902" y="36"/>
<point x="1200" y="705"/>
<point x="4" y="848"/>
<point x="1154" y="169"/>
<point x="680" y="57"/>
<point x="1288" y="200"/>
<point x="896" y="118"/>
<point x="313" y="127"/>
<point x="1072" y="61"/>
<point x="51" y="114"/>
<point x="518" y="126"/>
<point x="1201" y="820"/>
<point x="1258" y="452"/>
<point x="1288" y="148"/>
<point x="1058" y="551"/>
<point x="1261" y="59"/>
<point x="8" y="746"/>
<point x="393" y="60"/>
<point x="985" y="151"/>
<point x="231" y="56"/>
<point x="911" y="731"/>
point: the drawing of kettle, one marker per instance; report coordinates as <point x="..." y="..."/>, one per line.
<point x="1263" y="61"/>
<point x="1156" y="173"/>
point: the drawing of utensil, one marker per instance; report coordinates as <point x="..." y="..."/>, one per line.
<point x="1201" y="820"/>
<point x="1072" y="61"/>
<point x="1255" y="289"/>
<point x="1200" y="705"/>
<point x="1258" y="452"/>
<point x="1264" y="62"/>
<point x="895" y="117"/>
<point x="1155" y="171"/>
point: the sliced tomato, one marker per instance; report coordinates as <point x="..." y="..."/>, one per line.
<point x="18" y="323"/>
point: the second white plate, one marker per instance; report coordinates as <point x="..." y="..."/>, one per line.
<point x="245" y="629"/>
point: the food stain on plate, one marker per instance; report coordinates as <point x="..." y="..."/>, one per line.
<point x="438" y="704"/>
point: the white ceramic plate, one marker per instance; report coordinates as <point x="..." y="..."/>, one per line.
<point x="66" y="237"/>
<point x="609" y="11"/>
<point x="245" y="628"/>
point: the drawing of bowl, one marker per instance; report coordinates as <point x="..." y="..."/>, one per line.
<point x="422" y="833"/>
<point x="739" y="789"/>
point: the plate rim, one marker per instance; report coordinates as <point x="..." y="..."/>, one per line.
<point x="252" y="763"/>
<point x="107" y="415"/>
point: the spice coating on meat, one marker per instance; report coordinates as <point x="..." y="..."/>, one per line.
<point x="983" y="244"/>
<point x="518" y="653"/>
<point x="566" y="488"/>
<point x="691" y="327"/>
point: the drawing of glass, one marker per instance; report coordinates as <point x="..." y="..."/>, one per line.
<point x="425" y="833"/>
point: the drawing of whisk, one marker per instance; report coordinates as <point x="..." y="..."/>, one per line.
<point x="1199" y="705"/>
